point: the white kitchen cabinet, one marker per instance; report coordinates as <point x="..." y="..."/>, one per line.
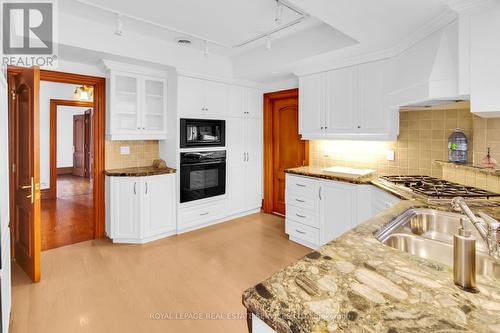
<point x="244" y="102"/>
<point x="253" y="103"/>
<point x="485" y="62"/>
<point x="312" y="104"/>
<point x="202" y="97"/>
<point x="244" y="163"/>
<point x="347" y="103"/>
<point x="137" y="103"/>
<point x="320" y="210"/>
<point x="141" y="209"/>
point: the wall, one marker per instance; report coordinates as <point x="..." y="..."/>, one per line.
<point x="48" y="91"/>
<point x="65" y="134"/>
<point x="142" y="153"/>
<point x="423" y="138"/>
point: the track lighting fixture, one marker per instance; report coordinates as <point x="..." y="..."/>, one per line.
<point x="119" y="25"/>
<point x="269" y="42"/>
<point x="206" y="51"/>
<point x="278" y="18"/>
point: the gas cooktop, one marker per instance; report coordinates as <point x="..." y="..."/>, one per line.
<point x="431" y="187"/>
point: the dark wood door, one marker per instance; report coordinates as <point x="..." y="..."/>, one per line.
<point x="79" y="145"/>
<point x="89" y="156"/>
<point x="26" y="217"/>
<point x="288" y="149"/>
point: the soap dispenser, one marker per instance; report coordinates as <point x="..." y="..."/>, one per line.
<point x="464" y="258"/>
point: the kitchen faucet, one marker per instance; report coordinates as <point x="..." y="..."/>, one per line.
<point x="487" y="227"/>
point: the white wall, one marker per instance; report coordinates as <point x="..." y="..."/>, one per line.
<point x="48" y="91"/>
<point x="65" y="134"/>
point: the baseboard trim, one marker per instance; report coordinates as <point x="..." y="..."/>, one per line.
<point x="64" y="171"/>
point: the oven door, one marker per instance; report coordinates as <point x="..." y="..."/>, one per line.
<point x="202" y="180"/>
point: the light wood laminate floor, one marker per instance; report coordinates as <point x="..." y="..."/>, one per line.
<point x="97" y="286"/>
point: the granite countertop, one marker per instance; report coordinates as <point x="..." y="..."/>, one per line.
<point x="357" y="284"/>
<point x="469" y="166"/>
<point x="139" y="171"/>
<point x="311" y="171"/>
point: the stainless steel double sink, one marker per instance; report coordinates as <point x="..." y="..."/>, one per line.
<point x="428" y="234"/>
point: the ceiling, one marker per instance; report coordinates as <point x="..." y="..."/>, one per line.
<point x="333" y="28"/>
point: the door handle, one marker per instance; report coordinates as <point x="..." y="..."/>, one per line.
<point x="31" y="187"/>
<point x="300" y="185"/>
<point x="248" y="157"/>
<point x="244" y="157"/>
<point x="300" y="231"/>
<point x="298" y="200"/>
<point x="146" y="187"/>
<point x="135" y="185"/>
<point x="301" y="216"/>
<point x="319" y="193"/>
<point x="203" y="214"/>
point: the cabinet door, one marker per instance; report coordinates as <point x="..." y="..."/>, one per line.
<point x="215" y="98"/>
<point x="312" y="104"/>
<point x="254" y="103"/>
<point x="341" y="107"/>
<point x="125" y="115"/>
<point x="154" y="113"/>
<point x="191" y="95"/>
<point x="158" y="204"/>
<point x="125" y="210"/>
<point x="253" y="186"/>
<point x="235" y="141"/>
<point x="253" y="140"/>
<point x="236" y="188"/>
<point x="373" y="111"/>
<point x="236" y="101"/>
<point x="337" y="209"/>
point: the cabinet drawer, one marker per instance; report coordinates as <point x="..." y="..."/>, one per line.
<point x="302" y="232"/>
<point x="302" y="185"/>
<point x="193" y="216"/>
<point x="304" y="216"/>
<point x="301" y="200"/>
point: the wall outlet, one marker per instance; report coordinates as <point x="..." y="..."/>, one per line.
<point x="125" y="150"/>
<point x="391" y="155"/>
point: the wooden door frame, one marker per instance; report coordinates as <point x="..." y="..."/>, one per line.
<point x="268" y="203"/>
<point x="51" y="192"/>
<point x="98" y="126"/>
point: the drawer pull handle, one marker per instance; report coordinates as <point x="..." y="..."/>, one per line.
<point x="203" y="214"/>
<point x="301" y="216"/>
<point x="299" y="200"/>
<point x="301" y="185"/>
<point x="300" y="231"/>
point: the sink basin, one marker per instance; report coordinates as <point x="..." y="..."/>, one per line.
<point x="428" y="234"/>
<point x="348" y="171"/>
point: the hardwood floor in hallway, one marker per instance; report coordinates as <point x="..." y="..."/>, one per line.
<point x="97" y="286"/>
<point x="69" y="218"/>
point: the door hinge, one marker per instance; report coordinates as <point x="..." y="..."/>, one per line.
<point x="13" y="93"/>
<point x="13" y="168"/>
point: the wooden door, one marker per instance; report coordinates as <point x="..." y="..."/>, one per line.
<point x="288" y="149"/>
<point x="79" y="145"/>
<point x="88" y="144"/>
<point x="26" y="215"/>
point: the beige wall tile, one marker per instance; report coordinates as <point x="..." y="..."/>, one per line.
<point x="142" y="153"/>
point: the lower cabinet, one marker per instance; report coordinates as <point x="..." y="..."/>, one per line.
<point x="141" y="209"/>
<point x="318" y="211"/>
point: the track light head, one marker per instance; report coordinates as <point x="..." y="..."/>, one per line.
<point x="119" y="25"/>
<point x="269" y="43"/>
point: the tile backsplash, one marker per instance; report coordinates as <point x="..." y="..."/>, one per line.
<point x="423" y="138"/>
<point x="142" y="153"/>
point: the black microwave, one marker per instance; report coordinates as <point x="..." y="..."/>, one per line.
<point x="202" y="133"/>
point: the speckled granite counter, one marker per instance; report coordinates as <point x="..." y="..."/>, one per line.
<point x="138" y="172"/>
<point x="475" y="168"/>
<point x="357" y="284"/>
<point x="318" y="173"/>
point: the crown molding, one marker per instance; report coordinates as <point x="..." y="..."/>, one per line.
<point x="463" y="5"/>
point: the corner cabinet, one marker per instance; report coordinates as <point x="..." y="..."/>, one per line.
<point x="348" y="103"/>
<point x="141" y="209"/>
<point x="137" y="104"/>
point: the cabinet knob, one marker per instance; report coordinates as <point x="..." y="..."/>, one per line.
<point x="326" y="127"/>
<point x="321" y="127"/>
<point x="359" y="126"/>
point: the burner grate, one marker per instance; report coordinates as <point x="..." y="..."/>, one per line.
<point x="438" y="188"/>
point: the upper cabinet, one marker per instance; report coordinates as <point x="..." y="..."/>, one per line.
<point x="201" y="97"/>
<point x="485" y="62"/>
<point x="137" y="104"/>
<point x="348" y="103"/>
<point x="207" y="99"/>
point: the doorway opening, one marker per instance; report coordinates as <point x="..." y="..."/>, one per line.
<point x="283" y="146"/>
<point x="67" y="205"/>
<point x="71" y="203"/>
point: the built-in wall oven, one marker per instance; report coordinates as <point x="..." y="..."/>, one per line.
<point x="202" y="133"/>
<point x="203" y="175"/>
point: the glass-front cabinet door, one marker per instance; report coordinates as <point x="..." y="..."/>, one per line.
<point x="154" y="111"/>
<point x="125" y="103"/>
